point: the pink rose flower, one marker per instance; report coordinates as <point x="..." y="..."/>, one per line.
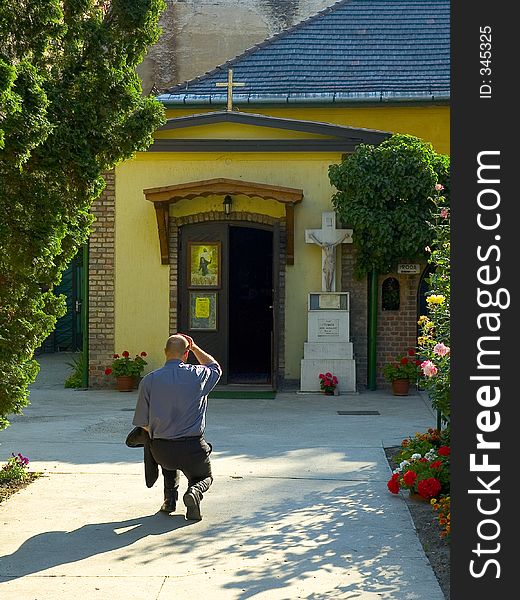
<point x="428" y="368"/>
<point x="439" y="187"/>
<point x="441" y="350"/>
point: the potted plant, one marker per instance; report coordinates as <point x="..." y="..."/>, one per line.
<point x="126" y="370"/>
<point x="328" y="383"/>
<point x="403" y="371"/>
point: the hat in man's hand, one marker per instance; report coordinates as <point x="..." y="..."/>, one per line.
<point x="137" y="438"/>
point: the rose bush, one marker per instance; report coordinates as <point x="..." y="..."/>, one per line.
<point x="434" y="341"/>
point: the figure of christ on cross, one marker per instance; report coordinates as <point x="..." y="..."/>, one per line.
<point x="328" y="237"/>
<point x="229" y="84"/>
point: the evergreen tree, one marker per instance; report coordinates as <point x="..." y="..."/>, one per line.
<point x="71" y="107"/>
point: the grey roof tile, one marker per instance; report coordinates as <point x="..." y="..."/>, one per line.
<point x="353" y="50"/>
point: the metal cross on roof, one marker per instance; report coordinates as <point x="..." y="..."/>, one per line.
<point x="230" y="85"/>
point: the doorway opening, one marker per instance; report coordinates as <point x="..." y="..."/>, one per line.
<point x="250" y="305"/>
<point x="68" y="332"/>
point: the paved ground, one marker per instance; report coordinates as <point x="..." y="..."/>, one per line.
<point x="299" y="507"/>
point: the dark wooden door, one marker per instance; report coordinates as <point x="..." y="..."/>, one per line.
<point x="230" y="314"/>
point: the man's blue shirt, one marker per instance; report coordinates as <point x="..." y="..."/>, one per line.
<point x="172" y="401"/>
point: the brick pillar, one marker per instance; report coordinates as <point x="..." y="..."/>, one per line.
<point x="397" y="329"/>
<point x="102" y="285"/>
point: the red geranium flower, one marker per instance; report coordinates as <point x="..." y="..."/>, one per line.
<point x="409" y="478"/>
<point x="436" y="464"/>
<point x="116" y="356"/>
<point x="444" y="451"/>
<point x="393" y="484"/>
<point x="328" y="375"/>
<point x="126" y="354"/>
<point x="411" y="352"/>
<point x="322" y="376"/>
<point x="404" y="360"/>
<point x="144" y="354"/>
<point x="429" y="488"/>
<point x="108" y="371"/>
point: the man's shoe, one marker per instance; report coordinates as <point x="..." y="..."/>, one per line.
<point x="169" y="505"/>
<point x="192" y="503"/>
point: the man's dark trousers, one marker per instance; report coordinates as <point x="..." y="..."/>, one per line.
<point x="189" y="455"/>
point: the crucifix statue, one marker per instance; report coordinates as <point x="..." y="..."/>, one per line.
<point x="328" y="237"/>
<point x="229" y="84"/>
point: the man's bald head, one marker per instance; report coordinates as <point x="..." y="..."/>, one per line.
<point x="176" y="347"/>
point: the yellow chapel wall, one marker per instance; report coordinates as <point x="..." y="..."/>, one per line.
<point x="142" y="282"/>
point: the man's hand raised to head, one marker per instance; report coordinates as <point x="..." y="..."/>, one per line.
<point x="188" y="339"/>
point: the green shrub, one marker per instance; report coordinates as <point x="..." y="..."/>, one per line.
<point x="75" y="379"/>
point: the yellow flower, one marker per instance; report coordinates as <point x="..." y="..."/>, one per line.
<point x="435" y="299"/>
<point x="422" y="320"/>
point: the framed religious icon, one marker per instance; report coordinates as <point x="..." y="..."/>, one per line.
<point x="204" y="260"/>
<point x="203" y="311"/>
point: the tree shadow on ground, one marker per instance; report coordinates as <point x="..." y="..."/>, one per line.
<point x="53" y="548"/>
<point x="337" y="542"/>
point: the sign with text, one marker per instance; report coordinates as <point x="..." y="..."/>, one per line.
<point x="328" y="327"/>
<point x="408" y="268"/>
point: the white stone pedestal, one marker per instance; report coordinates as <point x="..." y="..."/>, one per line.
<point x="328" y="347"/>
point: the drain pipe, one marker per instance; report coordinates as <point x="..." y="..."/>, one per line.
<point x="372" y="329"/>
<point x="84" y="315"/>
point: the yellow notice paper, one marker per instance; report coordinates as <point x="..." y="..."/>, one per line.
<point x="202" y="308"/>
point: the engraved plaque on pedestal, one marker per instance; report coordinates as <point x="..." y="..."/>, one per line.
<point x="328" y="328"/>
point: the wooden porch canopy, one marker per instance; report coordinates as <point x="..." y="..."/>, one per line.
<point x="162" y="197"/>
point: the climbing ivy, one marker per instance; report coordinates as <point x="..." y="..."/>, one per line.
<point x="385" y="195"/>
<point x="71" y="108"/>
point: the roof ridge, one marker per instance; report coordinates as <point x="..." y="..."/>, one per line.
<point x="251" y="50"/>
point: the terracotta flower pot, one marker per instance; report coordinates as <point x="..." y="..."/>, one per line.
<point x="400" y="387"/>
<point x="125" y="383"/>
